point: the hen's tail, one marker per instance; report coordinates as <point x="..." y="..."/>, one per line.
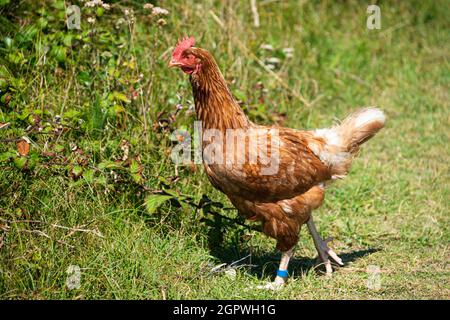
<point x="360" y="127"/>
<point x="342" y="141"/>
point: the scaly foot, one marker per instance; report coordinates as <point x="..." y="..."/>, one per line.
<point x="325" y="253"/>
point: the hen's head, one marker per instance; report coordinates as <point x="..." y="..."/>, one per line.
<point x="187" y="57"/>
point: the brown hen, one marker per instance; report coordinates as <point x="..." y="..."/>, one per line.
<point x="274" y="175"/>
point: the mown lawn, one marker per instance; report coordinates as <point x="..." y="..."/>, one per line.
<point x="98" y="106"/>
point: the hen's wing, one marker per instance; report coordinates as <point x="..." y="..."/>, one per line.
<point x="284" y="168"/>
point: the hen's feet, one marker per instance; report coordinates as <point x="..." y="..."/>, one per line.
<point x="325" y="253"/>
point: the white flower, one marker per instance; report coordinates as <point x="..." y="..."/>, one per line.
<point x="106" y="6"/>
<point x="289" y="52"/>
<point x="267" y="47"/>
<point x="93" y="3"/>
<point x="157" y="10"/>
<point x="161" y="22"/>
<point x="91" y="20"/>
<point x="148" y="6"/>
<point x="273" y="60"/>
<point x="119" y="22"/>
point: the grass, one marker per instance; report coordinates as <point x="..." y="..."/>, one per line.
<point x="109" y="83"/>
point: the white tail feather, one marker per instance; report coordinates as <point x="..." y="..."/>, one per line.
<point x="342" y="141"/>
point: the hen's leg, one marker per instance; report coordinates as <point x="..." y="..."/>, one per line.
<point x="282" y="272"/>
<point x="325" y="253"/>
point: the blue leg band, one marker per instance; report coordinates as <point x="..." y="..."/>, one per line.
<point x="282" y="273"/>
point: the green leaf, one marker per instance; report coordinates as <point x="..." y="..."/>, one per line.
<point x="77" y="171"/>
<point x="134" y="166"/>
<point x="71" y="114"/>
<point x="88" y="175"/>
<point x="137" y="178"/>
<point x="24" y="115"/>
<point x="5" y="156"/>
<point x="42" y="23"/>
<point x="58" y="5"/>
<point x="67" y="40"/>
<point x="59" y="148"/>
<point x="164" y="181"/>
<point x="20" y="162"/>
<point x="99" y="11"/>
<point x="32" y="162"/>
<point x="240" y="95"/>
<point x="84" y="78"/>
<point x="59" y="53"/>
<point x="16" y="58"/>
<point x="120" y="97"/>
<point x="118" y="109"/>
<point x="111" y="165"/>
<point x="3" y="84"/>
<point x="4" y="72"/>
<point x="154" y="201"/>
<point x="96" y="117"/>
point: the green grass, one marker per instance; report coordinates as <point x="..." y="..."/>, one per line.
<point x="391" y="211"/>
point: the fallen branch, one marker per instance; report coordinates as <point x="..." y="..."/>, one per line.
<point x="76" y="229"/>
<point x="95" y="232"/>
<point x="43" y="234"/>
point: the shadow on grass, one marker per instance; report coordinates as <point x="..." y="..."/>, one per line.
<point x="265" y="265"/>
<point x="262" y="264"/>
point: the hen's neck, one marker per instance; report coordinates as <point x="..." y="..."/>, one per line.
<point x="214" y="103"/>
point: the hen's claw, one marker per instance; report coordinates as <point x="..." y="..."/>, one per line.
<point x="325" y="253"/>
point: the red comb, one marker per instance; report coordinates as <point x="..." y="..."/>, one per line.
<point x="183" y="45"/>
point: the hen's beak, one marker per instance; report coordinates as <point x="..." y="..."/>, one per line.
<point x="173" y="64"/>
